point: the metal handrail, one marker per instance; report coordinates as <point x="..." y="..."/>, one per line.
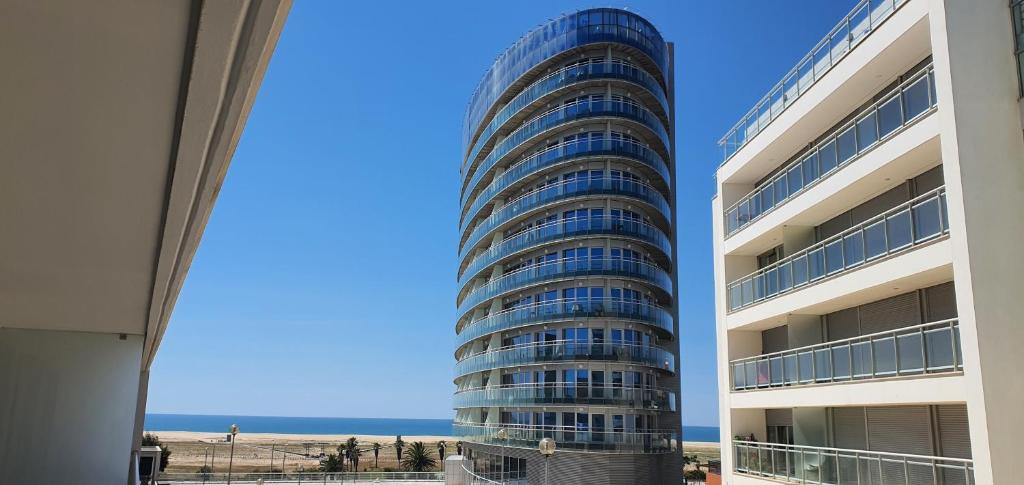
<point x="565" y="351"/>
<point x="915" y="239"/>
<point x="850" y="32"/>
<point x="800" y="161"/>
<point x="571" y="437"/>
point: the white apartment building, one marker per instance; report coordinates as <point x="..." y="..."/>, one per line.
<point x="867" y="220"/>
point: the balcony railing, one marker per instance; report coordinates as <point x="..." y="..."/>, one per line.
<point x="573" y="438"/>
<point x="567" y="351"/>
<point x="892" y="232"/>
<point x="566" y="309"/>
<point x="566" y="76"/>
<point x="898" y="109"/>
<point x="566" y="228"/>
<point x="820" y="465"/>
<point x="567" y="189"/>
<point x="577" y="110"/>
<point x="295" y="477"/>
<point x="920" y="349"/>
<point x="569" y="150"/>
<point x="562" y="393"/>
<point x="562" y="269"/>
<point x="865" y="18"/>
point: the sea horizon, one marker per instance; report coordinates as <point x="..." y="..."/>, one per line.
<point x="212" y="423"/>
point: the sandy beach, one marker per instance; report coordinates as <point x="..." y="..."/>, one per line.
<point x="256" y="452"/>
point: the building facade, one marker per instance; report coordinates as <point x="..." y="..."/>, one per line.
<point x="566" y="310"/>
<point x="866" y="220"/>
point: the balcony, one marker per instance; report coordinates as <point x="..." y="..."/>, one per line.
<point x="566" y="394"/>
<point x="563" y="310"/>
<point x="861" y="21"/>
<point x="564" y="190"/>
<point x="570" y="438"/>
<point x="929" y="348"/>
<point x="564" y="269"/>
<point x="567" y="351"/>
<point x="579" y="110"/>
<point x="560" y="153"/>
<point x="562" y="78"/>
<point x="893" y="232"/>
<point x="565" y="229"/>
<point x="872" y="126"/>
<point x="821" y="465"/>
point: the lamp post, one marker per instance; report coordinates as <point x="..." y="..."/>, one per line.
<point x="546" y="448"/>
<point x="502" y="435"/>
<point x="231" y="461"/>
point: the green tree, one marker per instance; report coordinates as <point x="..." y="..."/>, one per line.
<point x="150" y="439"/>
<point x="399" y="444"/>
<point x="331" y="463"/>
<point x="418" y="459"/>
<point x="351" y="447"/>
<point x="441" y="446"/>
<point x="376" y="453"/>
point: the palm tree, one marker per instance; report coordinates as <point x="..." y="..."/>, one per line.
<point x="399" y="444"/>
<point x="330" y="464"/>
<point x="351" y="447"/>
<point x="458" y="447"/>
<point x="441" y="445"/>
<point x="417" y="458"/>
<point x="376" y="453"/>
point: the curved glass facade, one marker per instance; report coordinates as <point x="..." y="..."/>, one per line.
<point x="566" y="260"/>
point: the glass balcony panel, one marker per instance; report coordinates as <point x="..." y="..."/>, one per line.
<point x="806" y="362"/>
<point x="846" y="145"/>
<point x="853" y="249"/>
<point x="789" y="88"/>
<point x="860" y="353"/>
<point x="785" y="276"/>
<point x="780" y="189"/>
<point x="768" y="197"/>
<point x="744" y="213"/>
<point x="927" y="219"/>
<point x="939" y="353"/>
<point x="884" y="353"/>
<point x="911" y="355"/>
<point x="789" y="364"/>
<point x="834" y="256"/>
<point x="777" y="104"/>
<point x="795" y="180"/>
<point x="771" y="279"/>
<point x="759" y="288"/>
<point x="816" y="263"/>
<point x="810" y="168"/>
<point x="867" y="131"/>
<point x="874" y="240"/>
<point x="735" y="297"/>
<point x="806" y="75"/>
<point x="750" y="371"/>
<point x="776" y="369"/>
<point x="748" y="294"/>
<point x="827" y="158"/>
<point x="959" y="355"/>
<point x="859" y="23"/>
<point x="916" y="98"/>
<point x="822" y="59"/>
<point x="841" y="362"/>
<point x="755" y="207"/>
<point x="800" y="270"/>
<point x="763" y="378"/>
<point x="840" y="41"/>
<point x="890" y="116"/>
<point x="823" y="365"/>
<point x="898" y="230"/>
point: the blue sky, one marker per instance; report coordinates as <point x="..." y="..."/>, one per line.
<point x="325" y="281"/>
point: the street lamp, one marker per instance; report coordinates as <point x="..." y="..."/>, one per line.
<point x="231" y="461"/>
<point x="502" y="435"/>
<point x="546" y="448"/>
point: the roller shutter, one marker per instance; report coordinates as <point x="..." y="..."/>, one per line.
<point x="842" y="324"/>
<point x="848" y="428"/>
<point x="954" y="440"/>
<point x="905" y="430"/>
<point x="941" y="302"/>
<point x="890" y="313"/>
<point x="775" y="339"/>
<point x="778" y="417"/>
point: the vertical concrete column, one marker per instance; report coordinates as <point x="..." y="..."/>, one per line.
<point x="983" y="165"/>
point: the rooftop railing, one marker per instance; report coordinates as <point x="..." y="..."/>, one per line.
<point x="861" y="21"/>
<point x="574" y="438"/>
<point x="875" y="124"/>
<point x="566" y="351"/>
<point x="566" y="309"/>
<point x="567" y="189"/>
<point x="903" y="227"/>
<point x="563" y="393"/>
<point x="563" y="269"/>
<point x="294" y="477"/>
<point x="821" y="465"/>
<point x="915" y="350"/>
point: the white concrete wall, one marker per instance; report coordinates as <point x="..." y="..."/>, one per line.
<point x="67" y="406"/>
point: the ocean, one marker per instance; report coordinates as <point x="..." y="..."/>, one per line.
<point x="372" y="426"/>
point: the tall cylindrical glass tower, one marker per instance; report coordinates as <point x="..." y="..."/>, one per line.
<point x="566" y="315"/>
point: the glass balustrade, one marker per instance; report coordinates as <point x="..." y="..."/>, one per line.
<point x="553" y="156"/>
<point x="862" y="20"/>
<point x="575" y="438"/>
<point x="566" y="76"/>
<point x="901" y="228"/>
<point x="626" y="109"/>
<point x="555" y="37"/>
<point x="563" y="190"/>
<point x="873" y="125"/>
<point x="565" y="268"/>
<point x="566" y="309"/>
<point x="920" y="349"/>
<point x="563" y="393"/>
<point x="820" y="465"/>
<point x="567" y="228"/>
<point x="566" y="351"/>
